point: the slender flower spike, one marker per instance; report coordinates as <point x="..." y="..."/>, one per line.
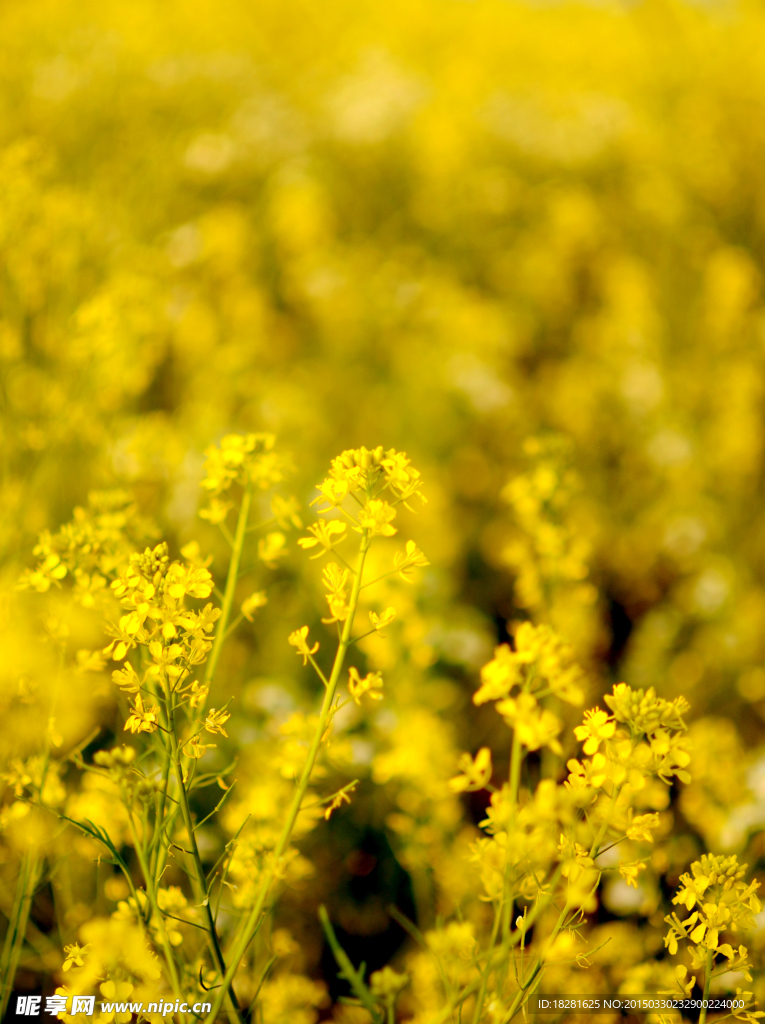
<point x="299" y="639"/>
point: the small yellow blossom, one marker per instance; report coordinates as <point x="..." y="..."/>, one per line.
<point x="598" y="726"/>
<point x="499" y="676"/>
<point x="536" y="727"/>
<point x="271" y="548"/>
<point x="285" y="511"/>
<point x="384" y="619"/>
<point x="475" y="773"/>
<point x="251" y="604"/>
<point x="75" y="956"/>
<point x="216" y="511"/>
<point x="641" y="825"/>
<point x="299" y="639"/>
<point x="116" y="992"/>
<point x="630" y="872"/>
<point x="387" y="982"/>
<point x="127" y="678"/>
<point x="325" y="535"/>
<point x="357" y="686"/>
<point x="194" y="747"/>
<point x="142" y="719"/>
<point x="376" y="517"/>
<point x="216" y="720"/>
<point x="336" y="581"/>
<point x="410" y="558"/>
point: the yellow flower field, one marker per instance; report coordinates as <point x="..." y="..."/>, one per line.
<point x="382" y="511"/>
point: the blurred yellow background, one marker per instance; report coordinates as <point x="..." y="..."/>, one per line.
<point x="522" y="242"/>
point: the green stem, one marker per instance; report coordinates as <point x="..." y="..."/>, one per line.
<point x="499" y="955"/>
<point x="595" y="848"/>
<point x="707" y="982"/>
<point x="524" y="992"/>
<point x="349" y="972"/>
<point x="155" y="849"/>
<point x="487" y="968"/>
<point x="231" y="581"/>
<point x="516" y="757"/>
<point x="199" y="880"/>
<point x="151" y="893"/>
<point x="252" y="922"/>
<point x="17" y="926"/>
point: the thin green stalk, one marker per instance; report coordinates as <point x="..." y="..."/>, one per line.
<point x="349" y="972"/>
<point x="231" y="581"/>
<point x="151" y="893"/>
<point x="505" y="911"/>
<point x="487" y="968"/>
<point x="516" y="757"/>
<point x="526" y="985"/>
<point x="500" y="953"/>
<point x="252" y="921"/>
<point x="199" y="880"/>
<point x="595" y="848"/>
<point x="17" y="925"/>
<point x="155" y="850"/>
<point x="707" y="982"/>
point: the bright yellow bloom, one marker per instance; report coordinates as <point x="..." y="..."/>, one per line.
<point x="376" y="517"/>
<point x="298" y="639"/>
<point x="384" y="619"/>
<point x="630" y="872"/>
<point x="358" y="687"/>
<point x="271" y="548"/>
<point x="216" y="511"/>
<point x="325" y="535"/>
<point x="499" y="676"/>
<point x="251" y="604"/>
<point x="475" y="773"/>
<point x="142" y="719"/>
<point x="75" y="955"/>
<point x="598" y="726"/>
<point x="536" y="727"/>
<point x="410" y="558"/>
<point x="215" y="721"/>
<point x="336" y="581"/>
<point x="640" y="827"/>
